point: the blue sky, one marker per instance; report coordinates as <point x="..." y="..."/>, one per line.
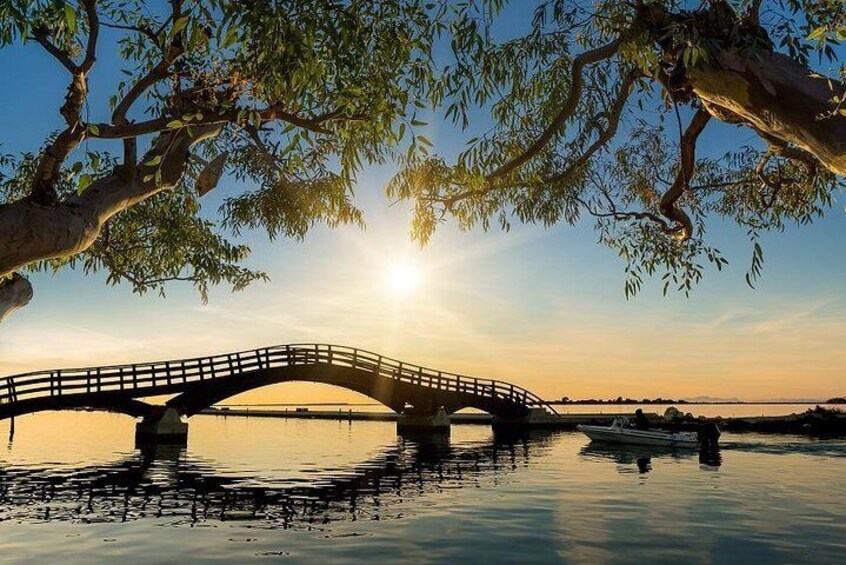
<point x="541" y="307"/>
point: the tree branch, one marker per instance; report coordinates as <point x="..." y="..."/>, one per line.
<point x="614" y="115"/>
<point x="30" y="232"/>
<point x="93" y="34"/>
<point x="40" y="36"/>
<point x="43" y="188"/>
<point x="157" y="125"/>
<point x="605" y="135"/>
<point x="143" y="30"/>
<point x="777" y="147"/>
<point x="753" y="14"/>
<point x="569" y="107"/>
<point x="15" y="293"/>
<point x="687" y="162"/>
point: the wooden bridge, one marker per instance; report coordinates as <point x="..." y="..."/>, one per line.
<point x="423" y="396"/>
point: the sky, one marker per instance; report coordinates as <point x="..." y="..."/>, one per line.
<point x="543" y="308"/>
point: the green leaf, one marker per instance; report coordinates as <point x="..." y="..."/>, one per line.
<point x="94" y="129"/>
<point x="84" y="182"/>
<point x="818" y="34"/>
<point x="154" y="161"/>
<point x="173" y="124"/>
<point x="70" y="17"/>
<point x="179" y="25"/>
<point x="230" y="37"/>
<point x="198" y="40"/>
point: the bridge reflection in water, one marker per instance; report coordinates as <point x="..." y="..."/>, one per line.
<point x="163" y="482"/>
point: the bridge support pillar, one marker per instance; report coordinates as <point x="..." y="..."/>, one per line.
<point x="536" y="418"/>
<point x="437" y="423"/>
<point x="163" y="427"/>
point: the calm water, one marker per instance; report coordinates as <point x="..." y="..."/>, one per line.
<point x="72" y="487"/>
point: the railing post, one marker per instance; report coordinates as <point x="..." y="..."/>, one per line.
<point x="379" y="366"/>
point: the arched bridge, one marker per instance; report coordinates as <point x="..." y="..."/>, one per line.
<point x="201" y="382"/>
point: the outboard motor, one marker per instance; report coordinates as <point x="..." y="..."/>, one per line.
<point x="708" y="435"/>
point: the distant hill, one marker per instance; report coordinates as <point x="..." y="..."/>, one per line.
<point x="836" y="400"/>
<point x="709" y="399"/>
<point x="618" y="400"/>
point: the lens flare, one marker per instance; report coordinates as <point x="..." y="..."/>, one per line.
<point x="402" y="278"/>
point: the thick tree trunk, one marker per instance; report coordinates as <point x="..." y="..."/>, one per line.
<point x="778" y="97"/>
<point x="31" y="232"/>
<point x="15" y="293"/>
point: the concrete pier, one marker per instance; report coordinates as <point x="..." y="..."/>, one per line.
<point x="432" y="423"/>
<point x="165" y="427"/>
<point x="536" y="418"/>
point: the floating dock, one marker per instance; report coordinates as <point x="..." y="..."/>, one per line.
<point x="565" y="421"/>
<point x="812" y="422"/>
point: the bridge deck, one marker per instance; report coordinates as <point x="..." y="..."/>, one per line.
<point x="137" y="380"/>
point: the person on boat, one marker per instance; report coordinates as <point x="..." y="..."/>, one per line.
<point x="641" y="423"/>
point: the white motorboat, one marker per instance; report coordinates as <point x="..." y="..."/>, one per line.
<point x="620" y="432"/>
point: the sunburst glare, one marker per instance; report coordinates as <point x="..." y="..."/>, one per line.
<point x="402" y="278"/>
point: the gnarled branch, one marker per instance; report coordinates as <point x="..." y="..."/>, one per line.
<point x="30" y="232"/>
<point x="44" y="184"/>
<point x="569" y="107"/>
<point x="687" y="162"/>
<point x="15" y="293"/>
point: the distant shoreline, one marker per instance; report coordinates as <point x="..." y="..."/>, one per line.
<point x="575" y="403"/>
<point x="692" y="402"/>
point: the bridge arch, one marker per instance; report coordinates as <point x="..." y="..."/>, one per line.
<point x="201" y="382"/>
<point x="128" y="406"/>
<point x="199" y="397"/>
<point x="396" y="395"/>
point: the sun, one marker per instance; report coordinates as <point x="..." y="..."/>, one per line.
<point x="402" y="278"/>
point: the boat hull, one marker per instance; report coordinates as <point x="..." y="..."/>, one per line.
<point x="639" y="437"/>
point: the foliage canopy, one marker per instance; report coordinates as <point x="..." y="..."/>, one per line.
<point x="596" y="110"/>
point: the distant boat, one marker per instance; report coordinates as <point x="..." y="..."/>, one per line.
<point x="620" y="432"/>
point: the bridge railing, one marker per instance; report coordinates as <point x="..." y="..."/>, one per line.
<point x="166" y="376"/>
